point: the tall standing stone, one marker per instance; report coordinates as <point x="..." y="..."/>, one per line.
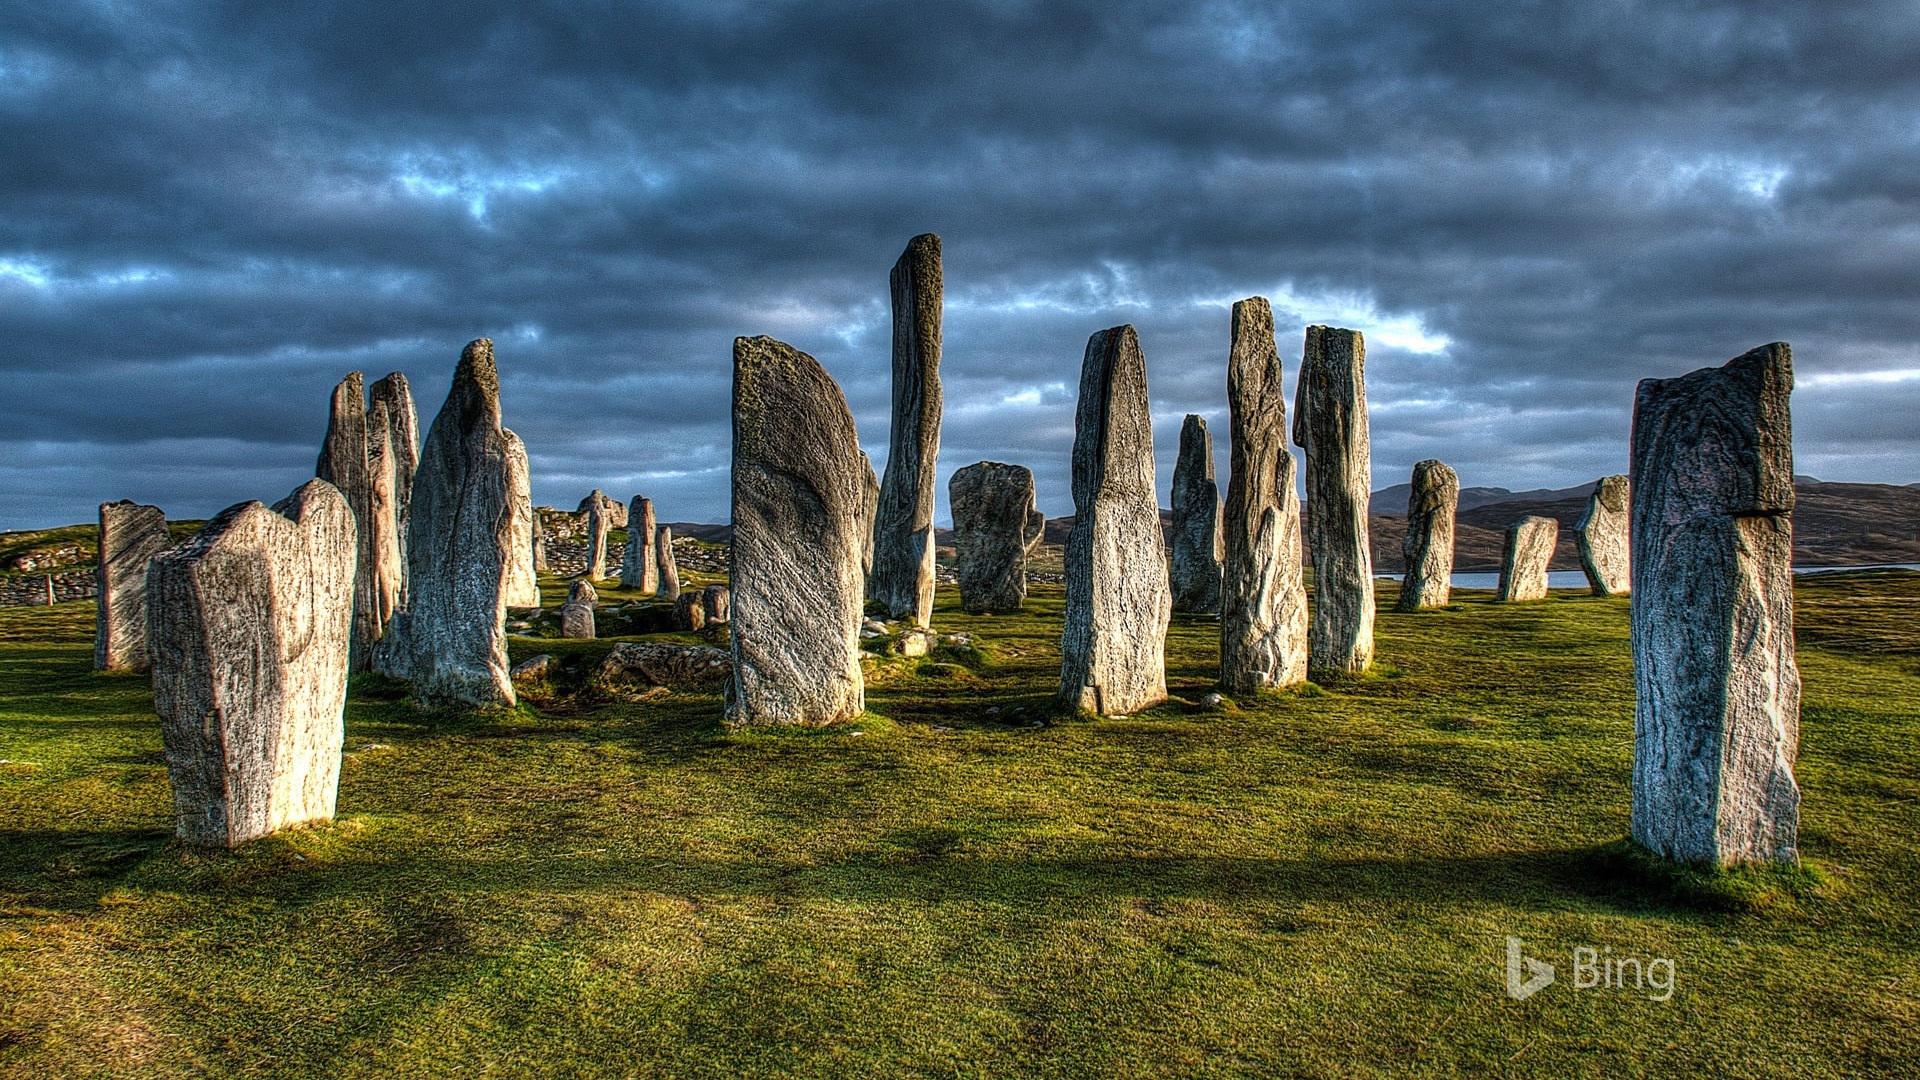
<point x="539" y="544"/>
<point x="612" y="509"/>
<point x="798" y="496"/>
<point x="1602" y="538"/>
<point x="1197" y="549"/>
<point x="869" y="510"/>
<point x="1113" y="644"/>
<point x="524" y="551"/>
<point x="640" y="569"/>
<point x="250" y="621"/>
<point x="1717" y="713"/>
<point x="1432" y="501"/>
<point x="343" y="463"/>
<point x="403" y="447"/>
<point x="668" y="568"/>
<point x="995" y="527"/>
<point x="1330" y="424"/>
<point x="386" y="575"/>
<point x="130" y="536"/>
<point x="1263" y="599"/>
<point x="903" y="548"/>
<point x="1523" y="565"/>
<point x="460" y="544"/>
<point x="598" y="525"/>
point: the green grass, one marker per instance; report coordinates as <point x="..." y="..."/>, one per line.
<point x="1314" y="883"/>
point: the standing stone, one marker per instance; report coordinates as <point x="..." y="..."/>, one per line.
<point x="1330" y="424"/>
<point x="250" y="621"/>
<point x="403" y="446"/>
<point x="1197" y="550"/>
<point x="995" y="528"/>
<point x="576" y="615"/>
<point x="381" y="558"/>
<point x="669" y="569"/>
<point x="798" y="494"/>
<point x="903" y="546"/>
<point x="1717" y="714"/>
<point x="524" y="553"/>
<point x="1263" y="597"/>
<point x="640" y="569"/>
<point x="690" y="612"/>
<point x="50" y="596"/>
<point x="539" y="545"/>
<point x="1523" y="566"/>
<point x="869" y="510"/>
<point x="130" y="536"/>
<point x="717" y="603"/>
<point x="461" y="543"/>
<point x="1113" y="644"/>
<point x="343" y="463"/>
<point x="1428" y="548"/>
<point x="598" y="525"/>
<point x="1602" y="538"/>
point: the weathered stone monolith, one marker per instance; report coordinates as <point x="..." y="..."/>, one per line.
<point x="576" y="615"/>
<point x="716" y="601"/>
<point x="403" y="447"/>
<point x="1717" y="713"/>
<point x="798" y="495"/>
<point x="598" y="524"/>
<point x="903" y="549"/>
<point x="869" y="510"/>
<point x="668" y="567"/>
<point x="1523" y="565"/>
<point x="343" y="463"/>
<point x="1432" y="501"/>
<point x="381" y="559"/>
<point x="523" y="572"/>
<point x="1263" y="598"/>
<point x="1197" y="542"/>
<point x="250" y="622"/>
<point x="460" y="544"/>
<point x="995" y="527"/>
<point x="1113" y="644"/>
<point x="641" y="568"/>
<point x="1330" y="424"/>
<point x="130" y="536"/>
<point x="1601" y="535"/>
<point x="539" y="531"/>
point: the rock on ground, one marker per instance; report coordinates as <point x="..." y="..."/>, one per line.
<point x="130" y="536"/>
<point x="1263" y="607"/>
<point x="690" y="612"/>
<point x="1113" y="643"/>
<point x="1330" y="424"/>
<point x="662" y="663"/>
<point x="1197" y="541"/>
<point x="1602" y="538"/>
<point x="1523" y="566"/>
<point x="460" y="544"/>
<point x="716" y="603"/>
<point x="903" y="549"/>
<point x="250" y="622"/>
<point x="995" y="527"/>
<point x="798" y="496"/>
<point x="1428" y="547"/>
<point x="1717" y="713"/>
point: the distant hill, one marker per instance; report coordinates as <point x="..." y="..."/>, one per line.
<point x="1392" y="501"/>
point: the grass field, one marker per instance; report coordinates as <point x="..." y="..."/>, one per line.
<point x="1318" y="883"/>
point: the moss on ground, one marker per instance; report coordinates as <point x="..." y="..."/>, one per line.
<point x="1317" y="882"/>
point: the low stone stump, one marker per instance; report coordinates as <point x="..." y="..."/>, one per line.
<point x="1523" y="568"/>
<point x="664" y="663"/>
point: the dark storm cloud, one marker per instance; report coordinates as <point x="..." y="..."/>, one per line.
<point x="209" y="213"/>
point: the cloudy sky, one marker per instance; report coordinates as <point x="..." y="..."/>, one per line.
<point x="210" y="212"/>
